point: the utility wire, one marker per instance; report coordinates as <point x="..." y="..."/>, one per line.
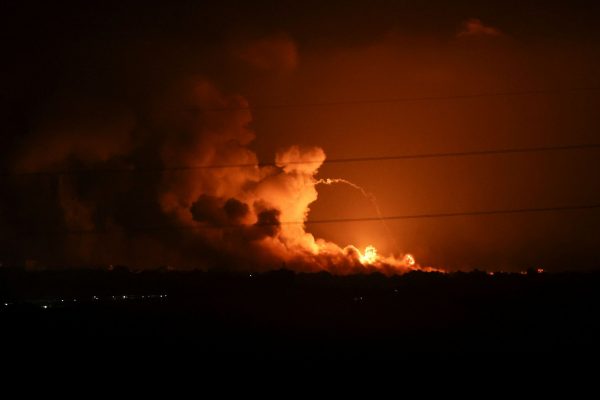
<point x="459" y="214"/>
<point x="489" y="152"/>
<point x="411" y="99"/>
<point x="322" y="221"/>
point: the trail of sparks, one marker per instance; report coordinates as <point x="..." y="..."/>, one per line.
<point x="370" y="197"/>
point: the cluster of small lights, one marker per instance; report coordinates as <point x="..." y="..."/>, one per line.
<point x="48" y="304"/>
<point x="537" y="270"/>
<point x="134" y="297"/>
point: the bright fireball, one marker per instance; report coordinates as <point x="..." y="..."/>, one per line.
<point x="369" y="256"/>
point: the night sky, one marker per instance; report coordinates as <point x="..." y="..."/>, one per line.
<point x="128" y="92"/>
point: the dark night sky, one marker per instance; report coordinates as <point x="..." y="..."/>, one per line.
<point x="115" y="84"/>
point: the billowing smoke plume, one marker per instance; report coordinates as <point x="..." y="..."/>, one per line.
<point x="188" y="191"/>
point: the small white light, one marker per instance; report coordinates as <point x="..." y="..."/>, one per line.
<point x="44" y="306"/>
<point x="6" y="304"/>
<point x="62" y="300"/>
<point x="124" y="297"/>
<point x="250" y="275"/>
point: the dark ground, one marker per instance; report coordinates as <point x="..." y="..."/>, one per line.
<point x="282" y="314"/>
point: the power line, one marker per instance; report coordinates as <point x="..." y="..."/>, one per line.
<point x="459" y="214"/>
<point x="324" y="221"/>
<point x="466" y="153"/>
<point x="488" y="152"/>
<point x="411" y="99"/>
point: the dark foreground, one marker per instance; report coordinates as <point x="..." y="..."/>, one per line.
<point x="283" y="314"/>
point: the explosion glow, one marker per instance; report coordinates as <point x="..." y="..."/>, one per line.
<point x="369" y="256"/>
<point x="250" y="216"/>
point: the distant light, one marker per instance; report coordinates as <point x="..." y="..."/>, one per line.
<point x="250" y="275"/>
<point x="124" y="297"/>
<point x="44" y="306"/>
<point x="95" y="297"/>
<point x="540" y="270"/>
<point x="62" y="300"/>
<point x="74" y="300"/>
<point x="6" y="304"/>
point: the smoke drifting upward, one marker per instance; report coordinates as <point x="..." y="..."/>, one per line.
<point x="245" y="216"/>
<point x="474" y="27"/>
<point x="271" y="54"/>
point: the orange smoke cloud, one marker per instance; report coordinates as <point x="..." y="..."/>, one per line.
<point x="278" y="53"/>
<point x="83" y="131"/>
<point x="241" y="213"/>
<point x="474" y="27"/>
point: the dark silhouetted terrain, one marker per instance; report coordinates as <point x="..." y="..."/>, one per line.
<point x="283" y="314"/>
